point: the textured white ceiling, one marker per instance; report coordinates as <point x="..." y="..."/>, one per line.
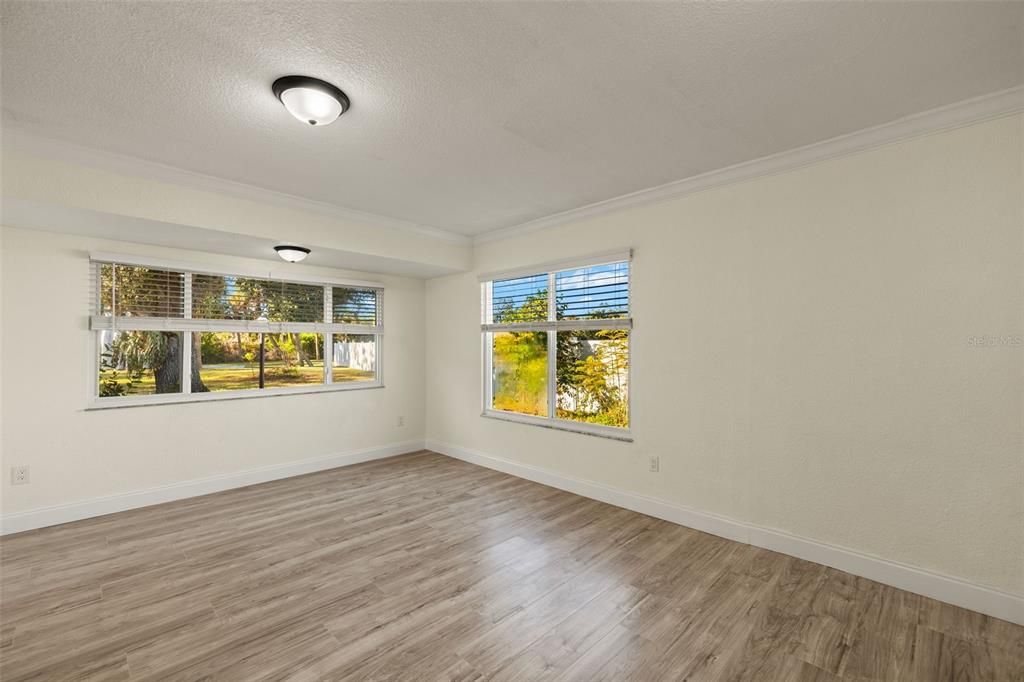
<point x="476" y="116"/>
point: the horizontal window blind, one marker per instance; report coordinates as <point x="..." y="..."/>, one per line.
<point x="521" y="299"/>
<point x="135" y="291"/>
<point x="596" y="292"/>
<point x="585" y="297"/>
<point x="221" y="297"/>
<point x="146" y="297"/>
<point x="354" y="306"/>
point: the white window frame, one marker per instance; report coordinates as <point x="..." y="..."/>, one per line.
<point x="186" y="325"/>
<point x="552" y="326"/>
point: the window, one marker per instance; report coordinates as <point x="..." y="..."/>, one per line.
<point x="167" y="334"/>
<point x="556" y="345"/>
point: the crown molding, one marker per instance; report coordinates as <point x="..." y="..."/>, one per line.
<point x="959" y="114"/>
<point x="22" y="139"/>
<point x="967" y="112"/>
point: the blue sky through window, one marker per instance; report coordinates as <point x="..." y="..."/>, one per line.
<point x="600" y="291"/>
<point x="509" y="295"/>
<point x="595" y="292"/>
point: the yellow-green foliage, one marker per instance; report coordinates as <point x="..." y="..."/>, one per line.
<point x="598" y="382"/>
<point x="520" y="372"/>
<point x="591" y="377"/>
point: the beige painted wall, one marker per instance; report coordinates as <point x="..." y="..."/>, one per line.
<point x="76" y="455"/>
<point x="803" y="355"/>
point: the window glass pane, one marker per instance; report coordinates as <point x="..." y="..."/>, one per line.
<point x="135" y="291"/>
<point x="354" y="306"/>
<point x="230" y="361"/>
<point x="226" y="361"/>
<point x="519" y="362"/>
<point x="139" y="363"/>
<point x="221" y="297"/>
<point x="524" y="299"/>
<point x="353" y="358"/>
<point x="597" y="292"/>
<point x="593" y="376"/>
<point x="294" y="359"/>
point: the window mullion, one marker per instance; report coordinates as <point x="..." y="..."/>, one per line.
<point x="327" y="338"/>
<point x="186" y="337"/>
<point x="186" y="362"/>
<point x="552" y="347"/>
<point x="552" y="372"/>
<point x="378" y="340"/>
<point x="552" y="308"/>
<point x="187" y="292"/>
<point x="113" y="296"/>
<point x="485" y="302"/>
<point x="487" y="345"/>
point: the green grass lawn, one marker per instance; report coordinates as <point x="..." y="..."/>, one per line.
<point x="239" y="376"/>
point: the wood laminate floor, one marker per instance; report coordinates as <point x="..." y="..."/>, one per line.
<point x="422" y="567"/>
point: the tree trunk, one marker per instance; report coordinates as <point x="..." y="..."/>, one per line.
<point x="275" y="344"/>
<point x="301" y="355"/>
<point x="167" y="375"/>
<point x="197" y="364"/>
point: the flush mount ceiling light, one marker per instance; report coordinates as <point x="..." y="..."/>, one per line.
<point x="311" y="100"/>
<point x="292" y="254"/>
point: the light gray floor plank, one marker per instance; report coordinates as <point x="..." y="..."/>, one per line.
<point x="421" y="567"/>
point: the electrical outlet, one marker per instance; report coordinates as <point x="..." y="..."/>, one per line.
<point x="654" y="463"/>
<point x="19" y="475"/>
<point x="401" y="420"/>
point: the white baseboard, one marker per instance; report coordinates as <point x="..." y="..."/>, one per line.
<point x="944" y="588"/>
<point x="51" y="516"/>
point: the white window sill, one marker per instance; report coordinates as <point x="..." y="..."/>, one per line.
<point x="245" y="394"/>
<point x="585" y="428"/>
